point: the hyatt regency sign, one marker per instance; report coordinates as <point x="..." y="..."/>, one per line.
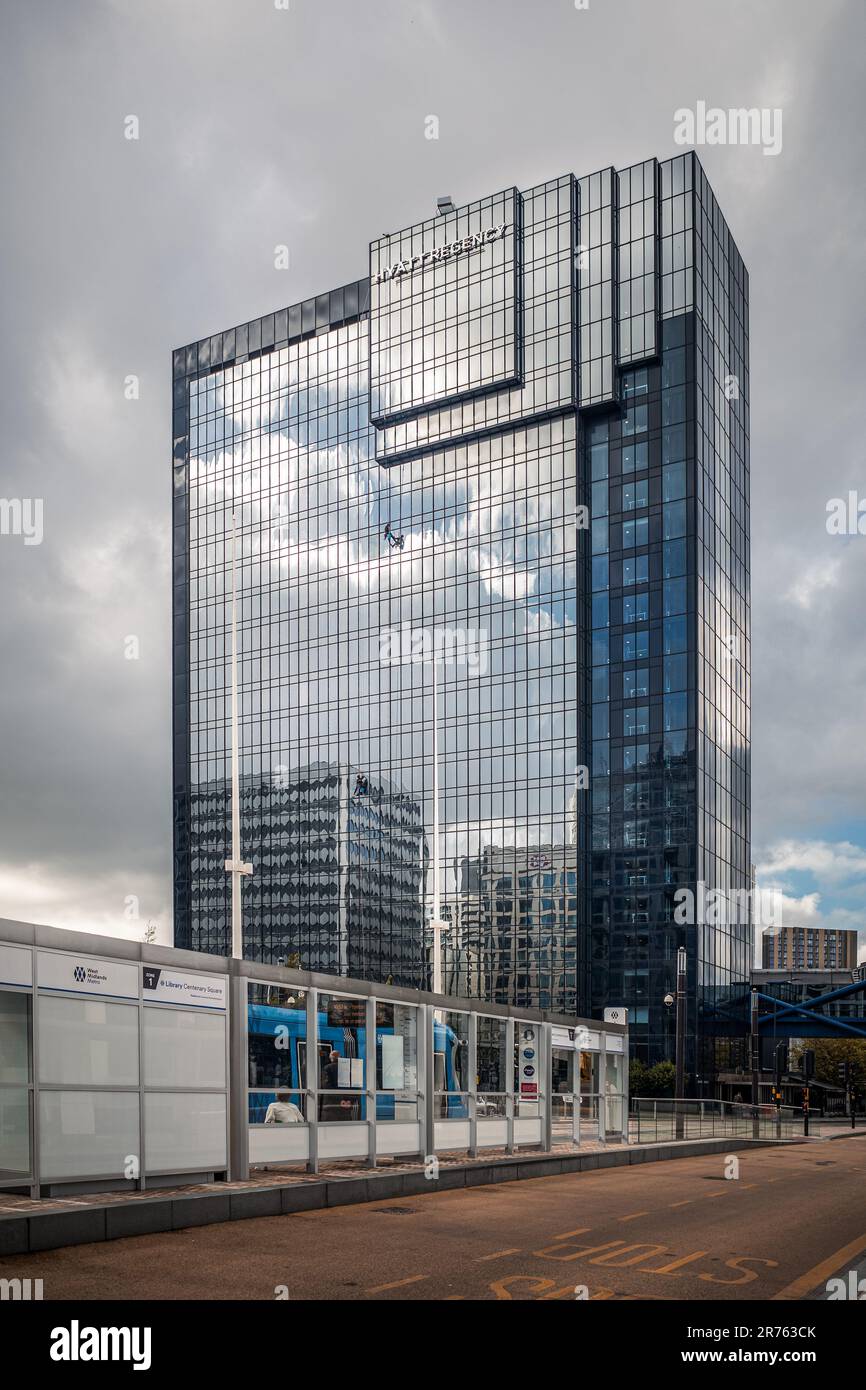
<point x="441" y="253"/>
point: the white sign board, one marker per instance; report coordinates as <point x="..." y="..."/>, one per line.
<point x="579" y="1039"/>
<point x="392" y="1062"/>
<point x="191" y="989"/>
<point x="76" y="974"/>
<point x="16" y="965"/>
<point x="616" y="1015"/>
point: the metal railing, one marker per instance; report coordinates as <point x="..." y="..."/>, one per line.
<point x="656" y="1121"/>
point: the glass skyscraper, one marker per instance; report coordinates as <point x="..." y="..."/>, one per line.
<point x="511" y="460"/>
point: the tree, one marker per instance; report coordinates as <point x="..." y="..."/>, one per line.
<point x="829" y="1052"/>
<point x="662" y="1079"/>
<point x="149" y="935"/>
<point x="637" y="1078"/>
<point x="659" y="1080"/>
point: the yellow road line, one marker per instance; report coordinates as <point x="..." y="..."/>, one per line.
<point x="498" y="1254"/>
<point x="633" y="1216"/>
<point x="686" y="1203"/>
<point x="821" y="1272"/>
<point x="398" y="1283"/>
<point x="579" y="1232"/>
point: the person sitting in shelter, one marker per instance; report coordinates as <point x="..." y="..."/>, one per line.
<point x="283" y="1111"/>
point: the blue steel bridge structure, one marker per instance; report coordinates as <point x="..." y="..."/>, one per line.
<point x="787" y="1012"/>
<point x="793" y="1008"/>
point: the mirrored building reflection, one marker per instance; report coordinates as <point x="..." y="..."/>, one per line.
<point x="509" y="935"/>
<point x="340" y="870"/>
<point x="512" y="460"/>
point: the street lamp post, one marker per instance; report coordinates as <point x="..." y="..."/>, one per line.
<point x="437" y="924"/>
<point x="236" y="866"/>
<point x="680" y="1086"/>
<point x="755" y="1045"/>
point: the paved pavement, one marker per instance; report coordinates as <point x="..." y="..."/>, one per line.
<point x="274" y="1175"/>
<point x="793" y="1217"/>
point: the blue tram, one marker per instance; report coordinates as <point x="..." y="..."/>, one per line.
<point x="277" y="1042"/>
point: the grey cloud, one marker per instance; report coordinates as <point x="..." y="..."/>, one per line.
<point x="260" y="127"/>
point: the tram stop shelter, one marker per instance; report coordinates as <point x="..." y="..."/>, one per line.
<point x="126" y="1065"/>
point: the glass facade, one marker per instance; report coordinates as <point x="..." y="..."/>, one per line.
<point x="445" y="323"/>
<point x="668" y="477"/>
<point x="16" y="1048"/>
<point x="510" y="463"/>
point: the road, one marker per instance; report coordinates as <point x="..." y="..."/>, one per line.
<point x="672" y="1230"/>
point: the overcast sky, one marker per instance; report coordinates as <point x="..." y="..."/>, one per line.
<point x="262" y="126"/>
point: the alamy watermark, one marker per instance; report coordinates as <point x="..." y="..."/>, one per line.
<point x="20" y="1290"/>
<point x="737" y="126"/>
<point x="444" y="646"/>
<point x="760" y="907"/>
<point x="850" y="1289"/>
<point x="77" y="1343"/>
<point x="22" y="516"/>
<point x="847" y="516"/>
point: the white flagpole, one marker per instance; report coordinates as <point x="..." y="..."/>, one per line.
<point x="437" y="919"/>
<point x="235" y="866"/>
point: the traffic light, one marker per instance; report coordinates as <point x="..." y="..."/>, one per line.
<point x="808" y="1065"/>
<point x="844" y="1072"/>
<point x="780" y="1058"/>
